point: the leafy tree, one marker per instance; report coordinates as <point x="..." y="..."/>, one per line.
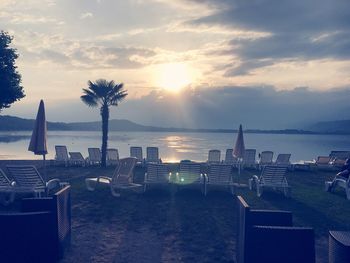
<point x="104" y="94"/>
<point x="10" y="79"/>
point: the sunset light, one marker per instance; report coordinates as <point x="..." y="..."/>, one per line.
<point x="174" y="76"/>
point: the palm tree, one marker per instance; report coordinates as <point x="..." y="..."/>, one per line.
<point x="103" y="93"/>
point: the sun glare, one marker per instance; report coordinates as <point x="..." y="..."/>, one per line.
<point x="173" y="76"/>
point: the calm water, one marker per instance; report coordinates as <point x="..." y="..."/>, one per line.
<point x="176" y="146"/>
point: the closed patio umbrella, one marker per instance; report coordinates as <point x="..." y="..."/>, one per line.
<point x="38" y="141"/>
<point x="239" y="149"/>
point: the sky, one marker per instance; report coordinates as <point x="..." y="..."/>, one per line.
<point x="185" y="63"/>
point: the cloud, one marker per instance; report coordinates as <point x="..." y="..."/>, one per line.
<point x="306" y="30"/>
<point x="86" y="15"/>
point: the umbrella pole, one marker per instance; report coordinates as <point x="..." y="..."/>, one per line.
<point x="44" y="160"/>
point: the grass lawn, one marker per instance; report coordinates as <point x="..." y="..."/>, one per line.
<point x="163" y="226"/>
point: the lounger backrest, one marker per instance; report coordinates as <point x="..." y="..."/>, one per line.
<point x="283" y="158"/>
<point x="249" y="157"/>
<point x="266" y="157"/>
<point x="229" y="159"/>
<point x="157" y="173"/>
<point x="219" y="173"/>
<point x="190" y="172"/>
<point x="94" y="154"/>
<point x="152" y="154"/>
<point x="61" y="153"/>
<point x="76" y="156"/>
<point x="137" y="153"/>
<point x="273" y="175"/>
<point x="112" y="155"/>
<point x="214" y="156"/>
<point x="4" y="181"/>
<point x="124" y="172"/>
<point x="343" y="155"/>
<point x="26" y="176"/>
<point x="323" y="160"/>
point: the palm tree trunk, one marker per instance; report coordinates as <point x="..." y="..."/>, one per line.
<point x="105" y="117"/>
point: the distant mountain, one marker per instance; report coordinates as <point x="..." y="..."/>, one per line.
<point x="10" y="123"/>
<point x="340" y="127"/>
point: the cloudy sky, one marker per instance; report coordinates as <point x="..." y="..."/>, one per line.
<point x="186" y="63"/>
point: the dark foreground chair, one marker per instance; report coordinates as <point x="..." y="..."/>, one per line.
<point x="268" y="236"/>
<point x="40" y="232"/>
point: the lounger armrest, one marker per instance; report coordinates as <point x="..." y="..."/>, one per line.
<point x="282" y="244"/>
<point x="105" y="178"/>
<point x="255" y="178"/>
<point x="52" y="184"/>
<point x="271" y="218"/>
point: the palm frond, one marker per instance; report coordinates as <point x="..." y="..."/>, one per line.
<point x="88" y="100"/>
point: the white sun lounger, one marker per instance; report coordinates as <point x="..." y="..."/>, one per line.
<point x="6" y="189"/>
<point x="157" y="175"/>
<point x="28" y="179"/>
<point x="189" y="175"/>
<point x="61" y="156"/>
<point x="229" y="159"/>
<point x="214" y="156"/>
<point x="122" y="178"/>
<point x="271" y="177"/>
<point x="76" y="158"/>
<point x="152" y="155"/>
<point x="136" y="152"/>
<point x="94" y="156"/>
<point x="112" y="156"/>
<point x="249" y="158"/>
<point x="220" y="175"/>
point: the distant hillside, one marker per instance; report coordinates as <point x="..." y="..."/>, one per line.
<point x="341" y="127"/>
<point x="10" y="123"/>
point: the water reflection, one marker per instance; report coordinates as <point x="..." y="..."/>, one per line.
<point x="175" y="146"/>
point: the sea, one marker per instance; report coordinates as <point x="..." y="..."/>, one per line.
<point x="176" y="146"/>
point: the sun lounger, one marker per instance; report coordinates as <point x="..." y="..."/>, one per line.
<point x="76" y="158"/>
<point x="6" y="189"/>
<point x="219" y="175"/>
<point x="343" y="155"/>
<point x="271" y="177"/>
<point x="323" y="162"/>
<point x="94" y="156"/>
<point x="122" y="178"/>
<point x="112" y="156"/>
<point x="214" y="156"/>
<point x="249" y="158"/>
<point x="27" y="179"/>
<point x="229" y="159"/>
<point x="269" y="236"/>
<point x="157" y="175"/>
<point x="137" y="153"/>
<point x="190" y="175"/>
<point x="339" y="181"/>
<point x="152" y="155"/>
<point x="283" y="159"/>
<point x="265" y="158"/>
<point x="61" y="156"/>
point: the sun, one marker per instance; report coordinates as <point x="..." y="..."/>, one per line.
<point x="173" y="76"/>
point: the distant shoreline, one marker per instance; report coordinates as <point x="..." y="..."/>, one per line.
<point x="12" y="124"/>
<point x="252" y="131"/>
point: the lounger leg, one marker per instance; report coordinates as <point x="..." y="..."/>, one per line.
<point x="90" y="185"/>
<point x="144" y="188"/>
<point x="114" y="192"/>
<point x="259" y="190"/>
<point x="347" y="191"/>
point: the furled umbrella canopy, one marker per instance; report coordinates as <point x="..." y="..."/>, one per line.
<point x="38" y="140"/>
<point x="239" y="149"/>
